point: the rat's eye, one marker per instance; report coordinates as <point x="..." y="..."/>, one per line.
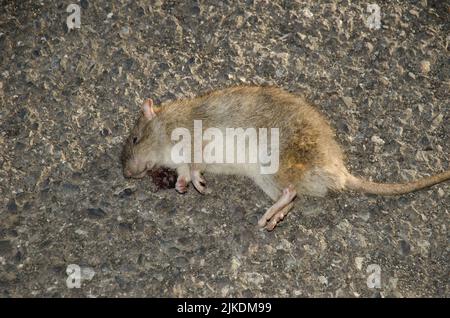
<point x="134" y="140"/>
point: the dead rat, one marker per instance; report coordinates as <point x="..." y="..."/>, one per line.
<point x="310" y="160"/>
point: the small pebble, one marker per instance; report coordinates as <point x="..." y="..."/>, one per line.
<point x="425" y="67"/>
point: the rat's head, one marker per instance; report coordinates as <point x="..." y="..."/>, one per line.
<point x="138" y="152"/>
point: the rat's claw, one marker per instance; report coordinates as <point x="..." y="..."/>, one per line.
<point x="198" y="181"/>
<point x="181" y="185"/>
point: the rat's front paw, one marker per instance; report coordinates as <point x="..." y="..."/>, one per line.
<point x="181" y="185"/>
<point x="198" y="182"/>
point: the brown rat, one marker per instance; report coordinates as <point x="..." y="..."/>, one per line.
<point x="311" y="161"/>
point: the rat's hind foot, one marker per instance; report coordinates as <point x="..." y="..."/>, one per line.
<point x="278" y="211"/>
<point x="181" y="185"/>
<point x="278" y="217"/>
<point x="198" y="181"/>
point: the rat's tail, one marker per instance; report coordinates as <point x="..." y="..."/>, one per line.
<point x="354" y="183"/>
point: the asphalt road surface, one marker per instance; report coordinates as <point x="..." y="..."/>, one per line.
<point x="69" y="97"/>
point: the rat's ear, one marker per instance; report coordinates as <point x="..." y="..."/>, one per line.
<point x="148" y="109"/>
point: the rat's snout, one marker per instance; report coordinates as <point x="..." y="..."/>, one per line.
<point x="127" y="173"/>
<point x="134" y="169"/>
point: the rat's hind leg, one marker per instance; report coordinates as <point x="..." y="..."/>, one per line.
<point x="268" y="184"/>
<point x="279" y="210"/>
<point x="291" y="171"/>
